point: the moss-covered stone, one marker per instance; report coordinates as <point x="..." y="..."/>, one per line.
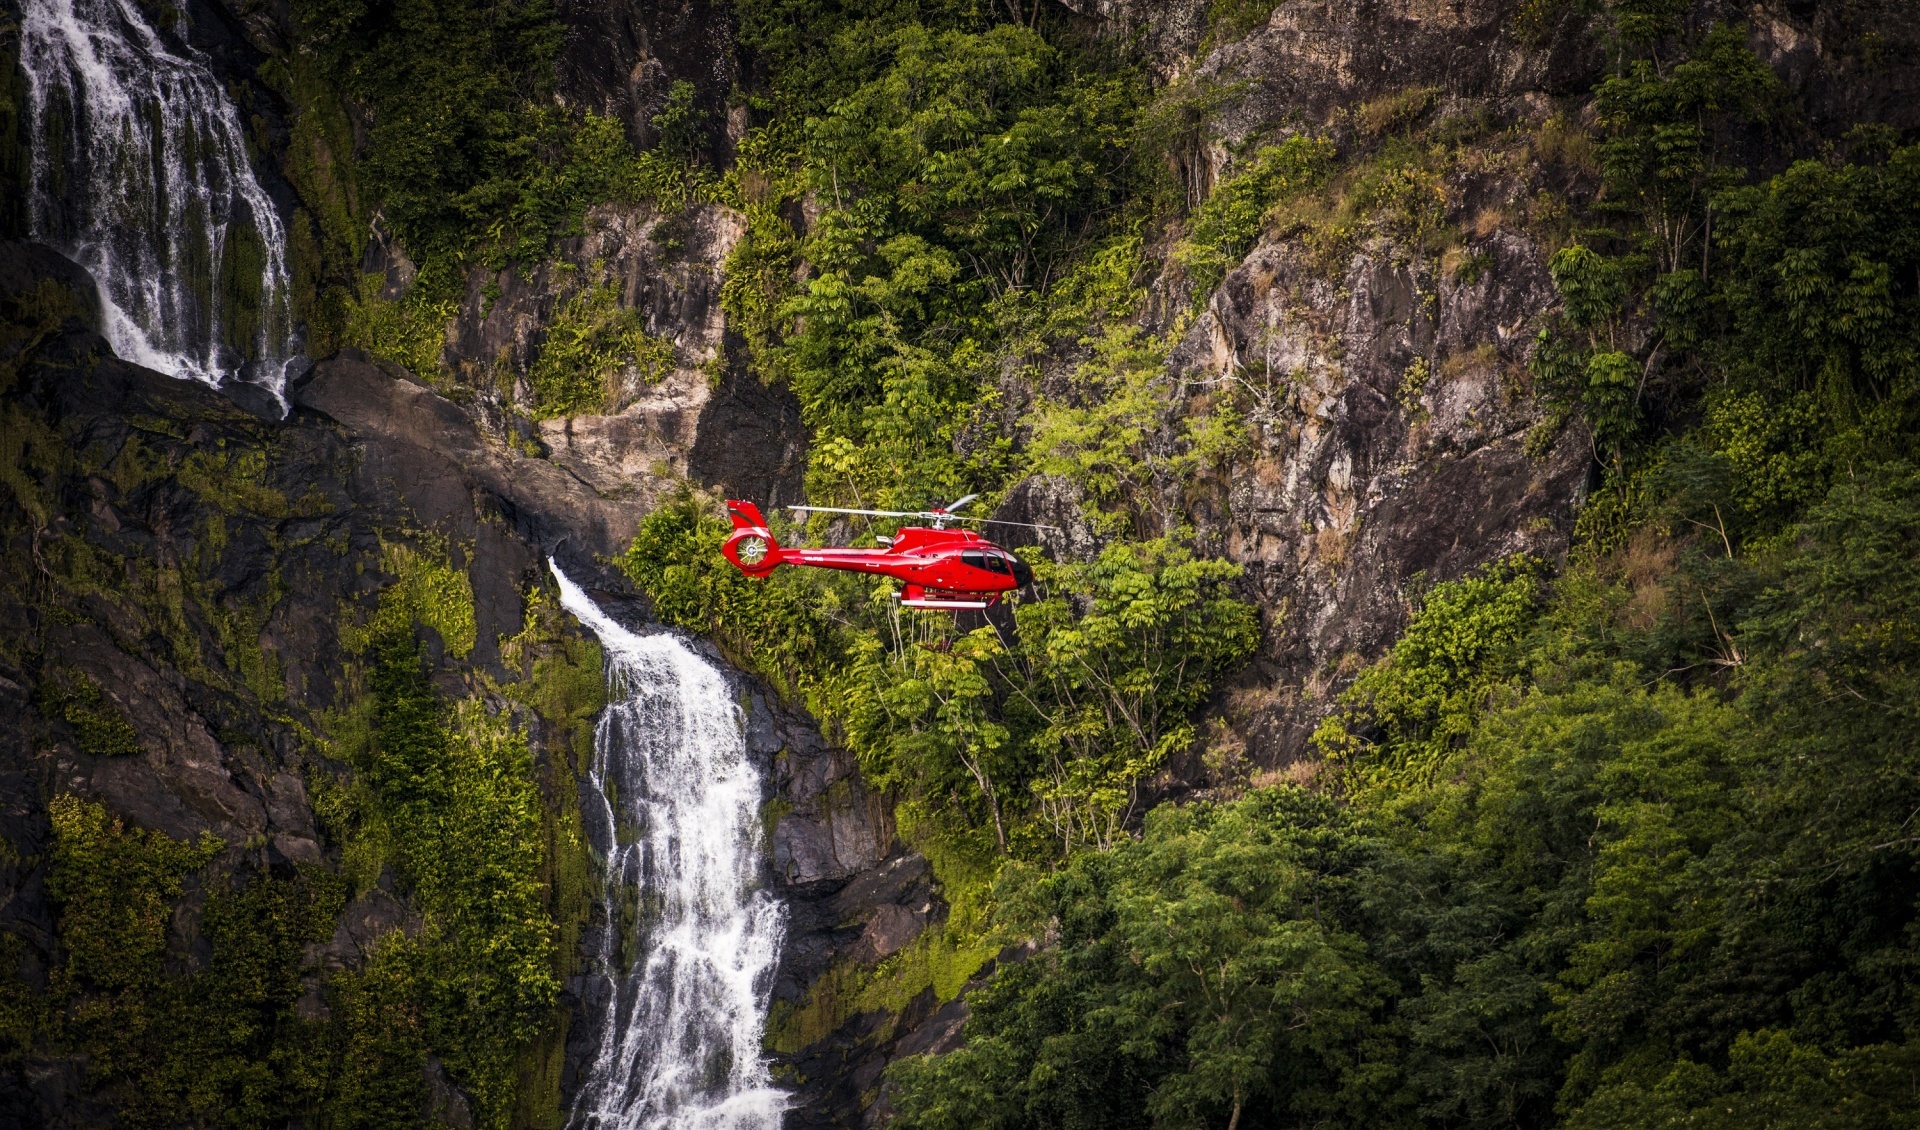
<point x="939" y="961"/>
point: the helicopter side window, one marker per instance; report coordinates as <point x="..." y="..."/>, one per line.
<point x="974" y="558"/>
<point x="997" y="564"/>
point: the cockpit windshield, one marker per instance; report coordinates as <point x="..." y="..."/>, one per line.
<point x="991" y="562"/>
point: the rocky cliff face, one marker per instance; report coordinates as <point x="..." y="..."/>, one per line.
<point x="1396" y="454"/>
<point x="622" y="60"/>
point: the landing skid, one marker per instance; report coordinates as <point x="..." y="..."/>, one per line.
<point x="916" y="596"/>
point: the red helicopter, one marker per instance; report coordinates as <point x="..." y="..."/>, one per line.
<point x="941" y="568"/>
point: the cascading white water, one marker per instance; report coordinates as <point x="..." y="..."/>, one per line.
<point x="140" y="174"/>
<point x="685" y="966"/>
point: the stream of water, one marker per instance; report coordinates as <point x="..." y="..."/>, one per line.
<point x="140" y="173"/>
<point x="683" y="974"/>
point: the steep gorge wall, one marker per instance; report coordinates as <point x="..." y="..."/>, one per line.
<point x="184" y="646"/>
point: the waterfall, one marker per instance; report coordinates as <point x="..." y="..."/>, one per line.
<point x="139" y="173"/>
<point x="684" y="969"/>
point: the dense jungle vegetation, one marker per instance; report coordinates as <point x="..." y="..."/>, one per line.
<point x="1627" y="840"/>
<point x="1622" y="843"/>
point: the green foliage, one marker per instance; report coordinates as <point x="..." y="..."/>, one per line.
<point x="98" y="725"/>
<point x="1427" y="695"/>
<point x="1225" y="227"/>
<point x="561" y="675"/>
<point x="457" y="124"/>
<point x="222" y="1045"/>
<point x="941" y="960"/>
<point x="1818" y="337"/>
<point x="1780" y="292"/>
<point x="1109" y="437"/>
<point x="1636" y="895"/>
<point x="681" y="124"/>
<point x="596" y="349"/>
<point x="1113" y="664"/>
<point x="426" y="589"/>
<point x="113" y="887"/>
<point x="1668" y="131"/>
<point x="1201" y="976"/>
<point x="466" y="155"/>
<point x="235" y="481"/>
<point x="758" y="272"/>
<point x="1769" y="1081"/>
<point x="1228" y="20"/>
<point x="411" y="330"/>
<point x="327" y="236"/>
<point x="450" y="791"/>
<point x="972" y="177"/>
<point x="964" y="172"/>
<point x="1395" y="112"/>
<point x="1404" y="199"/>
<point x="801" y="42"/>
<point x="1811" y="348"/>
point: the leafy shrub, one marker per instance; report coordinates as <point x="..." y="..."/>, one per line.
<point x="1426" y="696"/>
<point x="98" y="725"/>
<point x="1203" y="974"/>
<point x="1225" y="227"/>
<point x="594" y="346"/>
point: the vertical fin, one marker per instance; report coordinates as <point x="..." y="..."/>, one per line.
<point x="745" y="515"/>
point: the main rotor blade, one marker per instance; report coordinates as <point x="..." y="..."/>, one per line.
<point x="1003" y="522"/>
<point x="875" y="513"/>
<point x="957" y="504"/>
<point x="930" y="515"/>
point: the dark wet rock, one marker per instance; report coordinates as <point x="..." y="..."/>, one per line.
<point x="667" y="266"/>
<point x="365" y="921"/>
<point x="446" y="1105"/>
<point x="1849" y="63"/>
<point x="621" y="60"/>
<point x="1047" y="501"/>
<point x="25" y="266"/>
<point x="1167" y="31"/>
<point x="428" y="454"/>
<point x="1314" y="57"/>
